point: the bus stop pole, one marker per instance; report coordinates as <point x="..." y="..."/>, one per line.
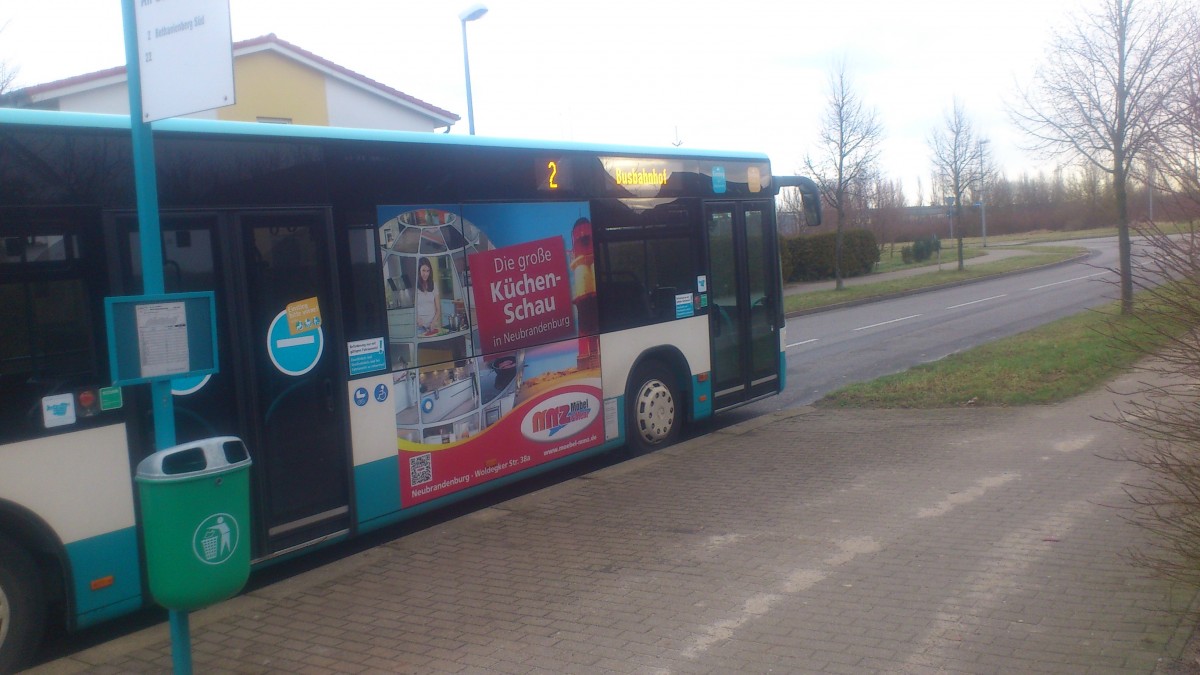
<point x="149" y="232"/>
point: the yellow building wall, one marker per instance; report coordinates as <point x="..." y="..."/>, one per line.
<point x="269" y="85"/>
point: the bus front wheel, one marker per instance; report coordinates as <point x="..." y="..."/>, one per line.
<point x="22" y="609"/>
<point x="654" y="413"/>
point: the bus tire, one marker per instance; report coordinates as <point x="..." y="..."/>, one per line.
<point x="653" y="409"/>
<point x="22" y="607"/>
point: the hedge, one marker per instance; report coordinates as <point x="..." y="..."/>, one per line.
<point x="810" y="257"/>
<point x="921" y="249"/>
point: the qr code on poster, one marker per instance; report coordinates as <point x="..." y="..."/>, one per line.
<point x="420" y="469"/>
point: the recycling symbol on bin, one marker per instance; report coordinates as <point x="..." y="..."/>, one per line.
<point x="216" y="539"/>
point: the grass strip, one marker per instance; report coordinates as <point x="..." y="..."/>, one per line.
<point x="1037" y="256"/>
<point x="1045" y="365"/>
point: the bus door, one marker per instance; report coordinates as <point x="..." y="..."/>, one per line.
<point x="279" y="375"/>
<point x="744" y="312"/>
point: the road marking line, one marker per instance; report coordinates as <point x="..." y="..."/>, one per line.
<point x="1067" y="281"/>
<point x="884" y="323"/>
<point x="994" y="297"/>
<point x="797" y="344"/>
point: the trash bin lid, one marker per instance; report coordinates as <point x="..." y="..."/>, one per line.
<point x="206" y="457"/>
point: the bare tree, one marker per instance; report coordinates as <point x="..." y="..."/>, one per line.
<point x="886" y="208"/>
<point x="850" y="140"/>
<point x="956" y="163"/>
<point x="1176" y="152"/>
<point x="1101" y="93"/>
<point x="985" y="179"/>
<point x="1163" y="405"/>
<point x="790" y="207"/>
<point x="8" y="73"/>
<point x="7" y="76"/>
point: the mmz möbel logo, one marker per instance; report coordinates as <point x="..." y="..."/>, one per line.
<point x="560" y="416"/>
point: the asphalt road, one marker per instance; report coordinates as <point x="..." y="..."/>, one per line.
<point x="831" y="349"/>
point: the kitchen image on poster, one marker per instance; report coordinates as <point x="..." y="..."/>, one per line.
<point x="512" y="378"/>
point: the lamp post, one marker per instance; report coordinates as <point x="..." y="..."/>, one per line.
<point x="1150" y="188"/>
<point x="982" y="194"/>
<point x="469" y="14"/>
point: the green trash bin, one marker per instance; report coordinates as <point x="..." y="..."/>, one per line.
<point x="195" y="501"/>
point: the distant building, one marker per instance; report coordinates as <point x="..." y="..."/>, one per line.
<point x="275" y="81"/>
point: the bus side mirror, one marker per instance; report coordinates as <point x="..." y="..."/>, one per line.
<point x="810" y="197"/>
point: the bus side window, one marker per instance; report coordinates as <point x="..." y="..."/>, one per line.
<point x="623" y="302"/>
<point x="47" y="331"/>
<point x="365" y="314"/>
<point x="647" y="256"/>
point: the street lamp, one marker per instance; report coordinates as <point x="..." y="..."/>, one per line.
<point x="982" y="195"/>
<point x="1150" y="187"/>
<point x="469" y="14"/>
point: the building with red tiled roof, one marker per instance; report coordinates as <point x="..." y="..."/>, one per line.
<point x="275" y="81"/>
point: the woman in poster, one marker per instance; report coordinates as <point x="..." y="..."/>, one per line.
<point x="429" y="304"/>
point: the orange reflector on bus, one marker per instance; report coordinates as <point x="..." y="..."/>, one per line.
<point x="702" y="377"/>
<point x="703" y="398"/>
<point x="102" y="582"/>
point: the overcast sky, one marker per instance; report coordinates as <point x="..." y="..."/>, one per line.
<point x="750" y="75"/>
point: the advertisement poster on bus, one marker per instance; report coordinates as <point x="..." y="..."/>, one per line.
<point x="492" y="343"/>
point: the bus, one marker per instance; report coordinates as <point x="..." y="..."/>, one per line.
<point x="402" y="320"/>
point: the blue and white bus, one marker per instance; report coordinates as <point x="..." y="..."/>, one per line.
<point x="476" y="310"/>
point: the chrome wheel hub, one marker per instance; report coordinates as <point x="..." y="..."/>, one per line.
<point x="655" y="411"/>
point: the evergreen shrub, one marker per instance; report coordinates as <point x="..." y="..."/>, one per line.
<point x="810" y="257"/>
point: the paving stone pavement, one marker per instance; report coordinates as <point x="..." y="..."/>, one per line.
<point x="806" y="541"/>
